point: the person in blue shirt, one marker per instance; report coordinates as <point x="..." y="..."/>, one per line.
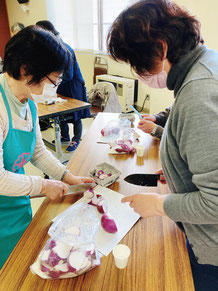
<point x="72" y="85"/>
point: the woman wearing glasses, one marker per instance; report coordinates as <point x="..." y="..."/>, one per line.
<point x="33" y="58"/>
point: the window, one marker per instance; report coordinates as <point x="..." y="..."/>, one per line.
<point x="84" y="24"/>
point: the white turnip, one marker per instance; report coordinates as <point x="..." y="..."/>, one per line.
<point x="62" y="250"/>
<point x="77" y="260"/>
<point x="89" y="194"/>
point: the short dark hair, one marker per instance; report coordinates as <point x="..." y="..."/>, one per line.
<point x="137" y="34"/>
<point x="46" y="24"/>
<point x="39" y="51"/>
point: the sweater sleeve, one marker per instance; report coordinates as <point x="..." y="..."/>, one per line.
<point x="159" y="131"/>
<point x="194" y="126"/>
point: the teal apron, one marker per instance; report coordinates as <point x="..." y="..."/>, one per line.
<point x="15" y="212"/>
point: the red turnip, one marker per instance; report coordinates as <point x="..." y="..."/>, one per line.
<point x="102" y="206"/>
<point x="108" y="223"/>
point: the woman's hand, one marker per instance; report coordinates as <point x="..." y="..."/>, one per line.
<point x="146" y="125"/>
<point x="70" y="179"/>
<point x="146" y="205"/>
<point x="53" y="189"/>
<point x="162" y="179"/>
<point x="149" y="117"/>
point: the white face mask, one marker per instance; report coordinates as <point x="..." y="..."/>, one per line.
<point x="48" y="95"/>
<point x="156" y="81"/>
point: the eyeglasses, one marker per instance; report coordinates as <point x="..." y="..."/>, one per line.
<point x="56" y="84"/>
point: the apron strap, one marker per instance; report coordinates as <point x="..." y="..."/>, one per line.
<point x="7" y="106"/>
<point x="33" y="112"/>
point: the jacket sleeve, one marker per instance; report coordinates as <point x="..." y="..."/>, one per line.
<point x="161" y="117"/>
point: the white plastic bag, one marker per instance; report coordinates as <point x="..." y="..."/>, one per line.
<point x="71" y="250"/>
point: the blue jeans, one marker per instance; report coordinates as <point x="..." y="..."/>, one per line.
<point x="205" y="276"/>
<point x="77" y="130"/>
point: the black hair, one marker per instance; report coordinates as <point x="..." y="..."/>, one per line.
<point x="46" y="24"/>
<point x="39" y="51"/>
<point x="137" y="34"/>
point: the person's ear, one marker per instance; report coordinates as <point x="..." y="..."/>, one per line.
<point x="23" y="72"/>
<point x="165" y="49"/>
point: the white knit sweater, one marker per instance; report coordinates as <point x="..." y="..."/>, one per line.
<point x="12" y="184"/>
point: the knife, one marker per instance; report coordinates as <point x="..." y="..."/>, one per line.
<point x="74" y="189"/>
<point x="143" y="179"/>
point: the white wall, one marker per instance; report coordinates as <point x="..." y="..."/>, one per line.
<point x="38" y="11"/>
<point x="206" y="11"/>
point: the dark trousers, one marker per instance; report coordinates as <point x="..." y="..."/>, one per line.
<point x="77" y="130"/>
<point x="205" y="276"/>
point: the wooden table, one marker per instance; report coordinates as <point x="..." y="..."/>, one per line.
<point x="158" y="261"/>
<point x="54" y="111"/>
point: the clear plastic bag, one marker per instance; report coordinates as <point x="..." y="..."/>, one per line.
<point x="112" y="128"/>
<point x="71" y="250"/>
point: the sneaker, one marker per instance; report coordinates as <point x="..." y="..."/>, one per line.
<point x="72" y="147"/>
<point x="63" y="140"/>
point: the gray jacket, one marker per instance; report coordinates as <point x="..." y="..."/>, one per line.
<point x="189" y="151"/>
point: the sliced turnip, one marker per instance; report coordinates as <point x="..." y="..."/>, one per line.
<point x="62" y="250"/>
<point x="86" y="267"/>
<point x="62" y="267"/>
<point x="45" y="255"/>
<point x="44" y="268"/>
<point x="103" y="176"/>
<point x="108" y="223"/>
<point x="50" y="244"/>
<point x="92" y="202"/>
<point x="67" y="275"/>
<point x="54" y="274"/>
<point x="90" y="249"/>
<point x="88" y="194"/>
<point x="89" y="201"/>
<point x="120" y="150"/>
<point x="77" y="260"/>
<point x="53" y="259"/>
<point x="95" y="200"/>
<point x="99" y="173"/>
<point x="102" y="206"/>
<point x="125" y="147"/>
<point x="102" y="131"/>
<point x="74" y="230"/>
